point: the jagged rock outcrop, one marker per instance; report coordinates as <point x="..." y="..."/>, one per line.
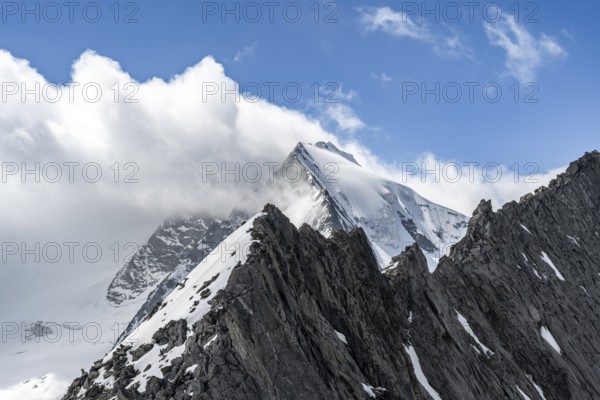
<point x="528" y="278"/>
<point x="191" y="246"/>
<point x="276" y="325"/>
<point x="512" y="313"/>
<point x="163" y="251"/>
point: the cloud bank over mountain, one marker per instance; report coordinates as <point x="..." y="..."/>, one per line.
<point x="104" y="158"/>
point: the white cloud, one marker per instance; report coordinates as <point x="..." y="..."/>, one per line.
<point x="247" y="51"/>
<point x="525" y="54"/>
<point x="340" y="94"/>
<point x="465" y="195"/>
<point x="334" y="110"/>
<point x="476" y="182"/>
<point x="568" y="33"/>
<point x="169" y="132"/>
<point x="383" y="78"/>
<point x="400" y="25"/>
<point x="394" y="23"/>
<point x="173" y="129"/>
<point x="344" y="117"/>
<point x="452" y="46"/>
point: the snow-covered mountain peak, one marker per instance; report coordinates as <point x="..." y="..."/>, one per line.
<point x="332" y="148"/>
<point x="393" y="215"/>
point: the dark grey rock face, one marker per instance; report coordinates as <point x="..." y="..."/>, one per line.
<point x="531" y="270"/>
<point x="512" y="313"/>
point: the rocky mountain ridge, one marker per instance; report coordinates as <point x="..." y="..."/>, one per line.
<point x="511" y="313"/>
<point x="326" y="197"/>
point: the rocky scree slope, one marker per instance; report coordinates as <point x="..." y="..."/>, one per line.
<point x="511" y="313"/>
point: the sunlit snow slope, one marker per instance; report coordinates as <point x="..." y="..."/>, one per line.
<point x="392" y="215"/>
<point x="190" y="300"/>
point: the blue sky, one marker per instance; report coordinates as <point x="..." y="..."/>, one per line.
<point x="372" y="52"/>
